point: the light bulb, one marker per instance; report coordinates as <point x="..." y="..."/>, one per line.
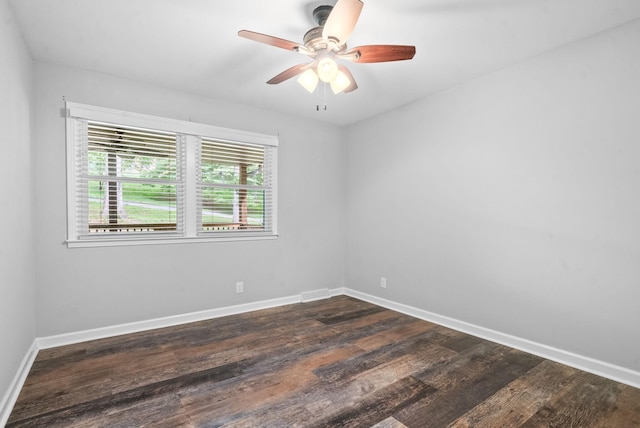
<point x="327" y="69"/>
<point x="340" y="83"/>
<point x="308" y="80"/>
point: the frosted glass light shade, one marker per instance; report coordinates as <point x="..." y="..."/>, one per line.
<point x="340" y="83"/>
<point x="308" y="80"/>
<point x="327" y="69"/>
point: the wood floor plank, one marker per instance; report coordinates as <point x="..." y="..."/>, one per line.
<point x="358" y="386"/>
<point x="380" y="405"/>
<point x="260" y="390"/>
<point x="594" y="398"/>
<point x="333" y="362"/>
<point x="133" y="396"/>
<point x="73" y="387"/>
<point x="626" y="412"/>
<point x="467" y="391"/>
<point x="394" y="335"/>
<point x="390" y="422"/>
<point x="375" y="357"/>
<point x="338" y="318"/>
<point x="525" y="395"/>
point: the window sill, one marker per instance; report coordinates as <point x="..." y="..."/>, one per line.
<point x="121" y="242"/>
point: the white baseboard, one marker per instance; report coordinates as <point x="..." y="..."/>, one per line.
<point x="10" y="397"/>
<point x="134" y="327"/>
<point x="597" y="367"/>
<point x="337" y="291"/>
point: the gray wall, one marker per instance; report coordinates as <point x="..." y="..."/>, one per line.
<point x="86" y="288"/>
<point x="512" y="202"/>
<point x="17" y="280"/>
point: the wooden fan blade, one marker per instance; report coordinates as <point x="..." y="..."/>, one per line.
<point x="342" y="20"/>
<point x="289" y="73"/>
<point x="353" y="86"/>
<point x="380" y="53"/>
<point x="269" y="40"/>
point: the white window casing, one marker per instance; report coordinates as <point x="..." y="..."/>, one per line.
<point x="137" y="179"/>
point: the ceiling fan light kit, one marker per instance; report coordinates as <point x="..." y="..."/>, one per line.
<point x="327" y="43"/>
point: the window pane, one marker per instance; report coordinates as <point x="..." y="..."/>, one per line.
<point x="129" y="152"/>
<point x="229" y="163"/>
<point x="233" y="208"/>
<point x="138" y="206"/>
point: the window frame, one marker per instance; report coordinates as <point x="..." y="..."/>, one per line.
<point x="192" y="132"/>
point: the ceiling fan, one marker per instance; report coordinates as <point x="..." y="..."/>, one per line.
<point x="328" y="42"/>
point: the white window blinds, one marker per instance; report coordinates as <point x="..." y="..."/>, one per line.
<point x="235" y="187"/>
<point x="135" y="178"/>
<point x="130" y="181"/>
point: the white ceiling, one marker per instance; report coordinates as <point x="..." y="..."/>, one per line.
<point x="192" y="45"/>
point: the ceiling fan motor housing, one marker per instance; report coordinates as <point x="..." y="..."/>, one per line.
<point x="313" y="39"/>
<point x="321" y="13"/>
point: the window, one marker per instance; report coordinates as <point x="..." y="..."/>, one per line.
<point x="232" y="191"/>
<point x="137" y="179"/>
<point x="131" y="180"/>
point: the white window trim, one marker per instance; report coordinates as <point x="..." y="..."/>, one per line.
<point x="192" y="131"/>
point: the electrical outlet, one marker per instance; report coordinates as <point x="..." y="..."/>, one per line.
<point x="383" y="282"/>
<point x="239" y="287"/>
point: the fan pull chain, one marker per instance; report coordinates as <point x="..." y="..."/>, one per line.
<point x="324" y="97"/>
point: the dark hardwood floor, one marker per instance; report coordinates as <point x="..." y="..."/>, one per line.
<point x="336" y="362"/>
